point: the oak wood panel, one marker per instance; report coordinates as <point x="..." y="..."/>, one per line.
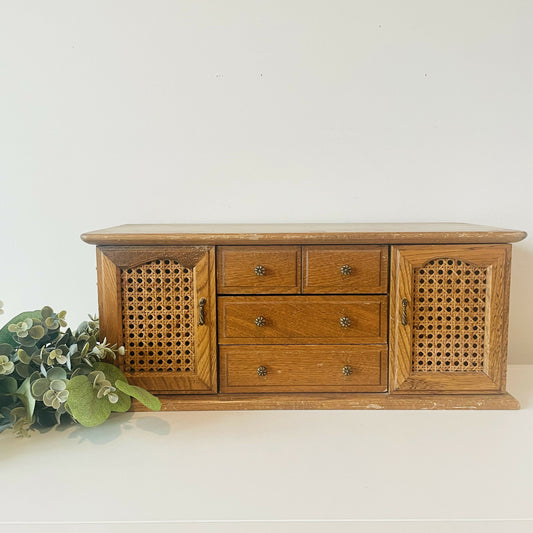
<point x="110" y="261"/>
<point x="368" y="269"/>
<point x="355" y="233"/>
<point x="109" y="299"/>
<point x="302" y="319"/>
<point x="303" y="368"/>
<point x="236" y="274"/>
<point x="333" y="400"/>
<point x="404" y="259"/>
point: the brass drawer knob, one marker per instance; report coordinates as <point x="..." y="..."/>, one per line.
<point x="262" y="371"/>
<point x="347" y="370"/>
<point x="260" y="321"/>
<point x="346" y="270"/>
<point x="260" y="270"/>
<point x="345" y="322"/>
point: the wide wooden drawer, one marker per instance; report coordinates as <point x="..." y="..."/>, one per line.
<point x="345" y="269"/>
<point x="309" y="368"/>
<point x="302" y="319"/>
<point x="258" y="269"/>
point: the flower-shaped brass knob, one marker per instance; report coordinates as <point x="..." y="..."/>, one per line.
<point x="260" y="321"/>
<point x="346" y="270"/>
<point x="262" y="371"/>
<point x="347" y="370"/>
<point x="345" y="322"/>
<point x="260" y="270"/>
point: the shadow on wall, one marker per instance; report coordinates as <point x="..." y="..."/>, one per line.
<point x="521" y="317"/>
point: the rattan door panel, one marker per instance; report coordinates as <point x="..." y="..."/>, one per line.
<point x="448" y="318"/>
<point x="159" y="302"/>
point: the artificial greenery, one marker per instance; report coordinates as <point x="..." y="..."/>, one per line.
<point x="51" y="375"/>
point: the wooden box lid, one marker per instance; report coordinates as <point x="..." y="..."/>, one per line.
<point x="353" y="233"/>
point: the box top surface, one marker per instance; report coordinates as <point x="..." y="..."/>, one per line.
<point x="301" y="233"/>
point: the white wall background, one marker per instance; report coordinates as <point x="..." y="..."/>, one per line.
<point x="132" y="111"/>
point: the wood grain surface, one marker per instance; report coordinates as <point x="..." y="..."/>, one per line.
<point x="353" y="233"/>
<point x="201" y="260"/>
<point x="404" y="259"/>
<point x="302" y="319"/>
<point x="305" y="318"/>
<point x="367" y="269"/>
<point x="297" y="368"/>
<point x="236" y="272"/>
<point x="334" y="400"/>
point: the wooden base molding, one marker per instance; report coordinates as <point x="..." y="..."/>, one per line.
<point x="333" y="401"/>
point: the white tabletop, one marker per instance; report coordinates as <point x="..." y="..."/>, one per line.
<point x="209" y="471"/>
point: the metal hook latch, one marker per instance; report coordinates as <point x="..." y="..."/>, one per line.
<point x="404" y="312"/>
<point x="201" y="313"/>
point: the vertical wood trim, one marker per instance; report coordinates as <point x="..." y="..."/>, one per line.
<point x="498" y="316"/>
<point x="506" y="309"/>
<point x="109" y="299"/>
<point x="400" y="335"/>
<point x="205" y="344"/>
<point x="212" y="319"/>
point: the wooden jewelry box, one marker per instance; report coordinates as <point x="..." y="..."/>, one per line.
<point x="309" y="316"/>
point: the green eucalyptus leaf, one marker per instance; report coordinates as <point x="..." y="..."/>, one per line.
<point x="47" y="418"/>
<point x="36" y="332"/>
<point x="23" y="370"/>
<point x="147" y="399"/>
<point x="24" y="393"/>
<point x="8" y="385"/>
<point x="113" y="374"/>
<point x="67" y="337"/>
<point x="82" y="402"/>
<point x="5" y="348"/>
<point x="57" y="385"/>
<point x="23" y="356"/>
<point x="39" y="387"/>
<point x="123" y="403"/>
<point x="47" y="311"/>
<point x="56" y="372"/>
<point x="6" y="418"/>
<point x="6" y="336"/>
<point x="26" y="341"/>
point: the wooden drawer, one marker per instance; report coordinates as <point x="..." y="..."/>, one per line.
<point x="302" y="319"/>
<point x="258" y="269"/>
<point x="345" y="269"/>
<point x="300" y="368"/>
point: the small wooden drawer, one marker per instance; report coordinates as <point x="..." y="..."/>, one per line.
<point x="302" y="319"/>
<point x="345" y="269"/>
<point x="258" y="269"/>
<point x="298" y="368"/>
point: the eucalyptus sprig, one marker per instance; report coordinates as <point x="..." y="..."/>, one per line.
<point x="50" y="375"/>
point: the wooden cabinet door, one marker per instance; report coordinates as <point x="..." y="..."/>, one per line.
<point x="448" y="318"/>
<point x="159" y="303"/>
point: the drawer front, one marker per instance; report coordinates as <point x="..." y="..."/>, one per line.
<point x="300" y="368"/>
<point x="258" y="269"/>
<point x="302" y="319"/>
<point x="345" y="269"/>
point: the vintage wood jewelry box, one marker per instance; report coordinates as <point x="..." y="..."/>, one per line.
<point x="310" y="316"/>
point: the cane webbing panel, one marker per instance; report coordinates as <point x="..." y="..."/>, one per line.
<point x="449" y="316"/>
<point x="158" y="317"/>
